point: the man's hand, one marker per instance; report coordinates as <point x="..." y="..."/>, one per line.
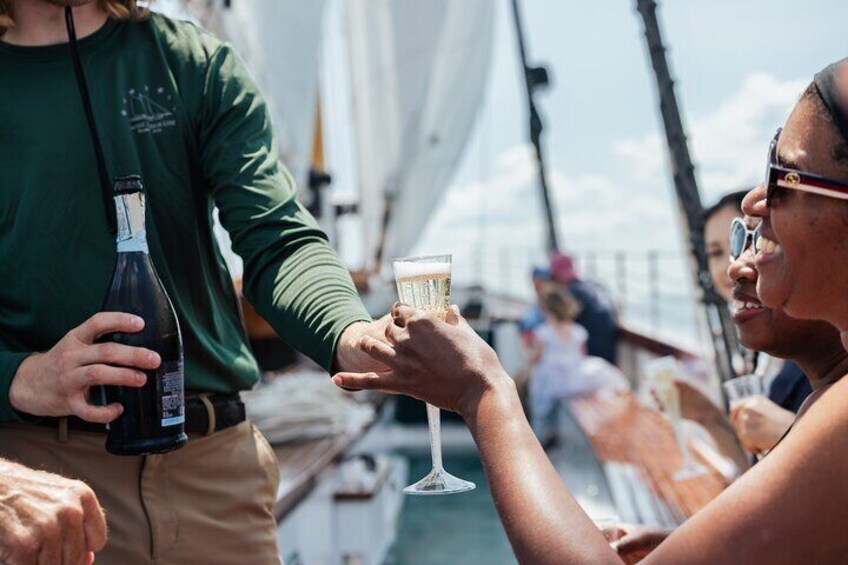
<point x="634" y="543"/>
<point x="46" y="519"/>
<point x="760" y="423"/>
<point x="57" y="383"/>
<point x="350" y="356"/>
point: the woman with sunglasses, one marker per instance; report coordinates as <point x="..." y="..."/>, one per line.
<point x="791" y="507"/>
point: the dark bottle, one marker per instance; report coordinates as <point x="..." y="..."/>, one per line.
<point x="153" y="420"/>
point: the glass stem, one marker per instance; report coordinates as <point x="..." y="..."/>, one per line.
<point x="434" y="420"/>
<point x="681" y="442"/>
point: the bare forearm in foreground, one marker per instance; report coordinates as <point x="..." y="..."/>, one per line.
<point x="543" y="521"/>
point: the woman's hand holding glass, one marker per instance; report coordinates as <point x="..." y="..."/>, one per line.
<point x="444" y="363"/>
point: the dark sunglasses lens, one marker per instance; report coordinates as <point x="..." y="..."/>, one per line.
<point x="770" y="190"/>
<point x="737" y="240"/>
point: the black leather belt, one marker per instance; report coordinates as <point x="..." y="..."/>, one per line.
<point x="205" y="414"/>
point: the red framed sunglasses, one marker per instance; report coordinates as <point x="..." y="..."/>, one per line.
<point x="782" y="177"/>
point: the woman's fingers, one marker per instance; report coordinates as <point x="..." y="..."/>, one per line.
<point x="383" y="382"/>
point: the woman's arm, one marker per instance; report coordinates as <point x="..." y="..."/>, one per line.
<point x="543" y="521"/>
<point x="458" y="371"/>
<point x="789" y="508"/>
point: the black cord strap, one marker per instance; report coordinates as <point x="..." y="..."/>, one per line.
<point x="108" y="205"/>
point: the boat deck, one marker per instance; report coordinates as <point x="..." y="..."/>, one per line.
<point x="637" y="450"/>
<point x="301" y="464"/>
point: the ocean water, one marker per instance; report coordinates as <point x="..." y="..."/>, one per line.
<point x="458" y="529"/>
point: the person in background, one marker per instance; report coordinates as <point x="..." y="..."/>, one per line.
<point x="760" y="421"/>
<point x="534" y="317"/>
<point x="717" y="220"/>
<point x="555" y="350"/>
<point x="598" y="313"/>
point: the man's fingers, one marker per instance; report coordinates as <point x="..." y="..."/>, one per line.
<point x="94" y="375"/>
<point x="96" y="414"/>
<point x="378" y="350"/>
<point x="395" y="333"/>
<point x="384" y="382"/>
<point x="107" y="322"/>
<point x="119" y="355"/>
<point x="73" y="544"/>
<point x="401" y="313"/>
<point x="94" y="522"/>
<point x="51" y="551"/>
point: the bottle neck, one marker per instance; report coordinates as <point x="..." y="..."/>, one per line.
<point x="132" y="236"/>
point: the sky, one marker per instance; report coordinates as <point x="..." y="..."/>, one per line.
<point x="739" y="67"/>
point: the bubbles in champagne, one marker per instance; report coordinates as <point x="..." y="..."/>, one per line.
<point x="424" y="285"/>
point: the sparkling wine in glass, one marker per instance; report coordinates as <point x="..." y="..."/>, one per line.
<point x="424" y="283"/>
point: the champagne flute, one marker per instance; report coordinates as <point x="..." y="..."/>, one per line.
<point x="424" y="283"/>
<point x="742" y="388"/>
<point x="662" y="373"/>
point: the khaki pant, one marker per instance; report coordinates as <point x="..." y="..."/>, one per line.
<point x="210" y="502"/>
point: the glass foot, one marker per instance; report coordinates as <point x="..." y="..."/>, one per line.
<point x="690" y="471"/>
<point x="439" y="482"/>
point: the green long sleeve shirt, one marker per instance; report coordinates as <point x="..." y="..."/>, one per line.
<point x="176" y="105"/>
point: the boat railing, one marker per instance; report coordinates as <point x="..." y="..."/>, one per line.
<point x="651" y="288"/>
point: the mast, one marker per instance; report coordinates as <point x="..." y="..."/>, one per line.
<point x="722" y="331"/>
<point x="535" y="78"/>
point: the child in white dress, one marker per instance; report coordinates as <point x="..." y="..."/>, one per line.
<point x="556" y="352"/>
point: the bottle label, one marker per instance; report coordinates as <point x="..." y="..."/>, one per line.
<point x="133" y="244"/>
<point x="171" y="393"/>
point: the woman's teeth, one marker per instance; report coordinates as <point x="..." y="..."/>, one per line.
<point x="767" y="246"/>
<point x="739" y="305"/>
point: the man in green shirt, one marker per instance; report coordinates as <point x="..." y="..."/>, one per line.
<point x="177" y="106"/>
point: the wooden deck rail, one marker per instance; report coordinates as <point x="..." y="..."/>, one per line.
<point x="622" y="430"/>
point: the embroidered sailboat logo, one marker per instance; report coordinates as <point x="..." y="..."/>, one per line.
<point x="145" y="114"/>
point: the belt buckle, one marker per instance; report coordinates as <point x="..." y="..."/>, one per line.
<point x="210" y="413"/>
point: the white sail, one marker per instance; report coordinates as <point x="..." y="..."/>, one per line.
<point x="418" y="72"/>
<point x="280" y="41"/>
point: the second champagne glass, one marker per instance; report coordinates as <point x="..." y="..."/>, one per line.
<point x="424" y="283"/>
<point x="662" y="373"/>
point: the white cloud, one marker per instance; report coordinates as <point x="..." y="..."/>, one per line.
<point x="729" y="144"/>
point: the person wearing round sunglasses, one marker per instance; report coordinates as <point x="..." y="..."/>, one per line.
<point x="717" y="221"/>
<point x="813" y="345"/>
<point x="758" y="424"/>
